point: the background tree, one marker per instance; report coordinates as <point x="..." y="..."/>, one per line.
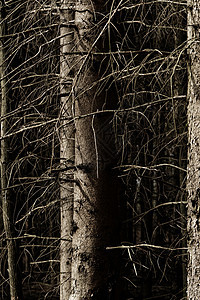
<point x="6" y="198"/>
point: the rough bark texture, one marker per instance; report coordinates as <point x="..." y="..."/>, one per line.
<point x="193" y="180"/>
<point x="66" y="146"/>
<point x="15" y="292"/>
<point x="95" y="199"/>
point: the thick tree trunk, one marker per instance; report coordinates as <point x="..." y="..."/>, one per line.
<point x="95" y="199"/>
<point x="15" y="292"/>
<point x="66" y="146"/>
<point x="193" y="179"/>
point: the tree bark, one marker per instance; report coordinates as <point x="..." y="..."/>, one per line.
<point x="66" y="146"/>
<point x="95" y="199"/>
<point x="193" y="177"/>
<point x="15" y="291"/>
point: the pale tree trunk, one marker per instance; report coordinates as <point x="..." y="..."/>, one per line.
<point x="66" y="146"/>
<point x="15" y="292"/>
<point x="193" y="177"/>
<point x="95" y="199"/>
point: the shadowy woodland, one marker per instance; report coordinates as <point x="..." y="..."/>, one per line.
<point x="138" y="53"/>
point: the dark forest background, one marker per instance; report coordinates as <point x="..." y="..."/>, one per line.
<point x="146" y="71"/>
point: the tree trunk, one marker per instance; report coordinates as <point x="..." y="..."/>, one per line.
<point x="66" y="146"/>
<point x="193" y="179"/>
<point x="95" y="198"/>
<point x="15" y="292"/>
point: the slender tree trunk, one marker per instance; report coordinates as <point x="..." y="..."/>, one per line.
<point x="95" y="198"/>
<point x="193" y="179"/>
<point x="66" y="146"/>
<point x="15" y="292"/>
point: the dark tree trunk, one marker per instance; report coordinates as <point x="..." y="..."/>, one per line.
<point x="15" y="290"/>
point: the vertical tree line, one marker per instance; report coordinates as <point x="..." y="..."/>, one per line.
<point x="6" y="197"/>
<point x="193" y="150"/>
<point x="67" y="145"/>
